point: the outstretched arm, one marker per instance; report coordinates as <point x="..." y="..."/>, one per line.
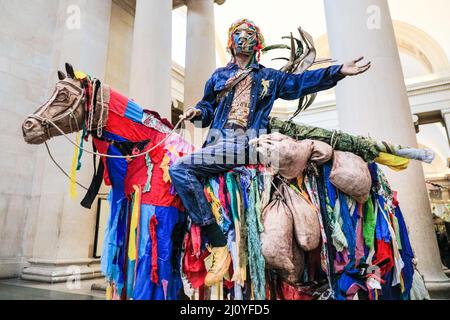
<point x="294" y="86"/>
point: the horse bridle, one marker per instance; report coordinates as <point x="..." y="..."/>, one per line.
<point x="70" y="112"/>
<point x="46" y="123"/>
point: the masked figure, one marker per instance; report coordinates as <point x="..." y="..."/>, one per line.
<point x="237" y="102"/>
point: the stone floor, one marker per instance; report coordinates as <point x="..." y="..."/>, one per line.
<point x="17" y="289"/>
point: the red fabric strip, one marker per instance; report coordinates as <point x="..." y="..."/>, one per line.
<point x="154" y="274"/>
<point x="117" y="102"/>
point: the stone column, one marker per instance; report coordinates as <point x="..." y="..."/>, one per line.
<point x="446" y="116"/>
<point x="200" y="56"/>
<point x="151" y="58"/>
<point x="24" y="67"/>
<point x="60" y="233"/>
<point x="376" y="104"/>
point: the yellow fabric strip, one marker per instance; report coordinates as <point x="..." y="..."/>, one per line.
<point x="394" y="162"/>
<point x="134" y="223"/>
<point x="215" y="205"/>
<point x="108" y="292"/>
<point x="165" y="164"/>
<point x="402" y="283"/>
<point x="80" y="75"/>
<point x="174" y="152"/>
<point x="73" y="171"/>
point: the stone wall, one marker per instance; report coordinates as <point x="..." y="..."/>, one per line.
<point x="26" y="37"/>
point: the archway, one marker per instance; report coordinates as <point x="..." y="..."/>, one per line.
<point x="411" y="41"/>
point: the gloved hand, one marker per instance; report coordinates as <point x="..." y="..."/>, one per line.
<point x="190" y="113"/>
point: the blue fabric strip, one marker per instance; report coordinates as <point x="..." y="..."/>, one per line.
<point x="134" y="112"/>
<point x="382" y="227"/>
<point x="348" y="227"/>
<point x="330" y="188"/>
<point x="144" y="288"/>
<point x="406" y="253"/>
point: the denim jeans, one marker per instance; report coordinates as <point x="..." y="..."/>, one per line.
<point x="230" y="151"/>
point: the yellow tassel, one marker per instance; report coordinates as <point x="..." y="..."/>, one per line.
<point x="79" y="75"/>
<point x="134" y="224"/>
<point x="73" y="171"/>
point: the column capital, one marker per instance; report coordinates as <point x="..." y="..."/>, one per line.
<point x="179" y="3"/>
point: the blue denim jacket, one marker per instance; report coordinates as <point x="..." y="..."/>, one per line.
<point x="268" y="85"/>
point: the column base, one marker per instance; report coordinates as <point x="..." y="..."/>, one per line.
<point x="447" y="272"/>
<point x="99" y="286"/>
<point x="439" y="290"/>
<point x="50" y="271"/>
<point x="10" y="268"/>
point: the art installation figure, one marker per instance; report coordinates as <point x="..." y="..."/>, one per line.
<point x="266" y="209"/>
<point x="238" y="98"/>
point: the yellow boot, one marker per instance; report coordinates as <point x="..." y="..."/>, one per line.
<point x="221" y="260"/>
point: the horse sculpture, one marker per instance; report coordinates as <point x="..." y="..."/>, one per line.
<point x="152" y="251"/>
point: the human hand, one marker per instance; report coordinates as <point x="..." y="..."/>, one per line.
<point x="352" y="69"/>
<point x="190" y="113"/>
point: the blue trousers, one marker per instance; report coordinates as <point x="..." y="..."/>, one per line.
<point x="230" y="151"/>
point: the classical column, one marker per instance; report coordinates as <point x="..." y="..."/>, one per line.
<point x="446" y="116"/>
<point x="376" y="104"/>
<point x="200" y="55"/>
<point x="59" y="233"/>
<point x="24" y="69"/>
<point x="151" y="58"/>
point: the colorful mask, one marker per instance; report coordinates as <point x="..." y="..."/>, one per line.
<point x="245" y="37"/>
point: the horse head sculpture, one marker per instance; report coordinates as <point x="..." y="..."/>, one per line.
<point x="65" y="110"/>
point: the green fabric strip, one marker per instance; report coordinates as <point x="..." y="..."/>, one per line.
<point x="397" y="233"/>
<point x="369" y="223"/>
<point x="337" y="236"/>
<point x="231" y="192"/>
<point x="255" y="258"/>
<point x="257" y="205"/>
<point x="149" y="163"/>
<point x="80" y="154"/>
<point x="243" y="250"/>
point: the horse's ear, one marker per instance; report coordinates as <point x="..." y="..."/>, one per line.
<point x="69" y="70"/>
<point x="61" y="75"/>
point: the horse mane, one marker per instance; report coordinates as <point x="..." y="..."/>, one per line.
<point x="129" y="129"/>
<point x="113" y="96"/>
